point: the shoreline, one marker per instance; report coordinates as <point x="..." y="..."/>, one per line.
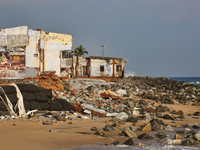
<point x="31" y="134"/>
<point x="140" y="99"/>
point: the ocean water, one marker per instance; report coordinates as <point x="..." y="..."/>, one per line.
<point x="124" y="147"/>
<point x="192" y="80"/>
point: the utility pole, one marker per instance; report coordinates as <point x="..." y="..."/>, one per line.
<point x="102" y="50"/>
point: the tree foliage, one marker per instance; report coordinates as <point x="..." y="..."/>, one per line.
<point x="80" y="51"/>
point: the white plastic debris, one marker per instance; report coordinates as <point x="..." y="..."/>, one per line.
<point x="87" y="111"/>
<point x="111" y="114"/>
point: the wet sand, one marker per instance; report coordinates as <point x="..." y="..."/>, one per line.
<point x="29" y="134"/>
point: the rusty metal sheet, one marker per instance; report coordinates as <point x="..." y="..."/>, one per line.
<point x="111" y="96"/>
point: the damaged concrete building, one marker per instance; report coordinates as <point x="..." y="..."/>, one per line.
<point x="26" y="53"/>
<point x="95" y="66"/>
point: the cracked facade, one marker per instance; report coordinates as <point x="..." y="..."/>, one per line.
<point x="26" y="53"/>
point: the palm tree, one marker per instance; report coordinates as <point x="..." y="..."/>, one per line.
<point x="80" y="51"/>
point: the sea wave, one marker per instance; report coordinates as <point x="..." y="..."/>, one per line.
<point x="125" y="147"/>
<point x="197" y="82"/>
<point x="130" y="73"/>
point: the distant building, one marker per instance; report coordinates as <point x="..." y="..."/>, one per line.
<point x="94" y="66"/>
<point x="26" y="53"/>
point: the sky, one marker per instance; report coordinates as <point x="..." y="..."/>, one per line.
<point x="159" y="38"/>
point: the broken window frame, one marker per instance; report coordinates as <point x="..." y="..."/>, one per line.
<point x="119" y="68"/>
<point x="102" y="68"/>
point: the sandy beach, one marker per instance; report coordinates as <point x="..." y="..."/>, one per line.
<point x="31" y="134"/>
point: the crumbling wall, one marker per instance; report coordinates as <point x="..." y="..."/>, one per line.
<point x="14" y="37"/>
<point x="54" y="43"/>
<point x="95" y="68"/>
<point x="66" y="66"/>
<point x="66" y="62"/>
<point x="83" y="66"/>
<point x="13" y="42"/>
<point x="32" y="53"/>
<point x="119" y="73"/>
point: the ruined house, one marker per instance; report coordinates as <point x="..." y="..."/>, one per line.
<point x="95" y="66"/>
<point x="26" y="53"/>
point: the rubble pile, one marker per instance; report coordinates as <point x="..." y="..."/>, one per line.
<point x="95" y="98"/>
<point x="49" y="80"/>
<point x="163" y="90"/>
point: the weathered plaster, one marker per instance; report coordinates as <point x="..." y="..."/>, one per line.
<point x="34" y="43"/>
<point x="54" y="44"/>
<point x="14" y="37"/>
<point x="95" y="68"/>
<point x="32" y="48"/>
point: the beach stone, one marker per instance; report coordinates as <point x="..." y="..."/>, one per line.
<point x="157" y="121"/>
<point x="171" y="110"/>
<point x="98" y="133"/>
<point x="181" y="117"/>
<point x="168" y="117"/>
<point x="116" y="143"/>
<point x="196" y="127"/>
<point x="162" y="108"/>
<point x="178" y="137"/>
<point x="121" y="116"/>
<point x="110" y="139"/>
<point x="166" y="141"/>
<point x="168" y="128"/>
<point x="61" y="118"/>
<point x="188" y="142"/>
<point x="180" y="112"/>
<point x="143" y="102"/>
<point x="95" y="129"/>
<point x="190" y="125"/>
<point x="197" y="113"/>
<point x="72" y="118"/>
<point x="132" y="128"/>
<point x="132" y="118"/>
<point x="145" y="136"/>
<point x="160" y="114"/>
<point x="196" y="136"/>
<point x="121" y="92"/>
<point x="182" y="132"/>
<point x="192" y="132"/>
<point x="109" y="128"/>
<point x="141" y="144"/>
<point x="176" y="141"/>
<point x="162" y="135"/>
<point x="53" y="130"/>
<point x="47" y="123"/>
<point x="156" y="124"/>
<point x="129" y="142"/>
<point x="128" y="132"/>
<point x="159" y="127"/>
<point x="145" y="127"/>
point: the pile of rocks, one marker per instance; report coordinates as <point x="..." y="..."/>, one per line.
<point x="99" y="98"/>
<point x="163" y="90"/>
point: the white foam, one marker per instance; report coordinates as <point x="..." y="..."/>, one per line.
<point x="124" y="147"/>
<point x="130" y="73"/>
<point x="197" y="82"/>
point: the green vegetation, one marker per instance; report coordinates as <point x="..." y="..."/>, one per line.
<point x="80" y="51"/>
